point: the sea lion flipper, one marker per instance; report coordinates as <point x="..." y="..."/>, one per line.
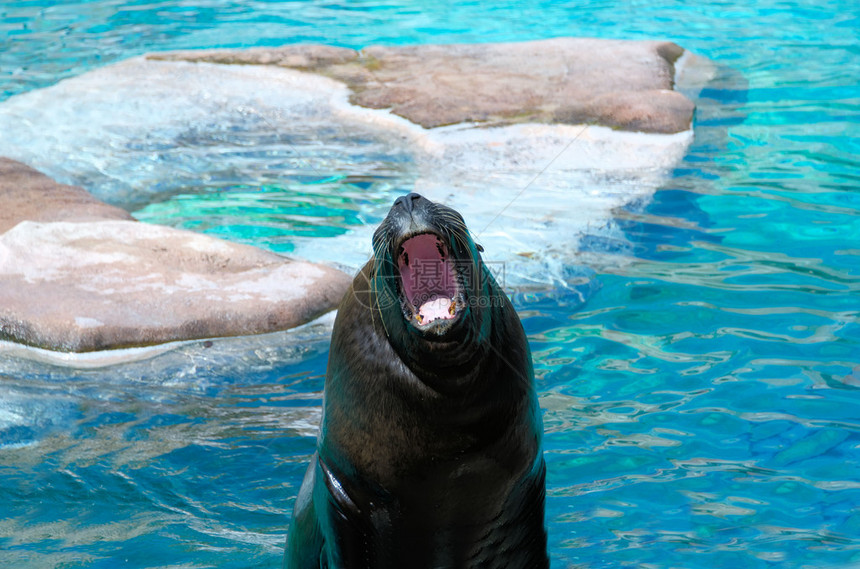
<point x="305" y="540"/>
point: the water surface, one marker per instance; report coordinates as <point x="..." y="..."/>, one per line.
<point x="700" y="388"/>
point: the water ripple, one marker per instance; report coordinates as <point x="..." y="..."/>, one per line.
<point x="698" y="378"/>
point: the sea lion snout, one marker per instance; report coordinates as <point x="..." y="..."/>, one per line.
<point x="410" y="214"/>
<point x="409" y="201"/>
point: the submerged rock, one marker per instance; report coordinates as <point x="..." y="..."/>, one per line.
<point x="28" y="194"/>
<point x="615" y="83"/>
<point x="79" y="275"/>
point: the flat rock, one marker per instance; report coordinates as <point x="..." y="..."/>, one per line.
<point x="626" y="85"/>
<point x="80" y="275"/>
<point x="26" y="193"/>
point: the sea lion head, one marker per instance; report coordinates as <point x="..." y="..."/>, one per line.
<point x="430" y="285"/>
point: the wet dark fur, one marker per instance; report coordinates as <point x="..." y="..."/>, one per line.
<point x="430" y="447"/>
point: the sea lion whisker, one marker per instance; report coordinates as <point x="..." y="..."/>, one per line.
<point x="456" y="223"/>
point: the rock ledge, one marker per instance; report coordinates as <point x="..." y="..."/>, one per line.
<point x="617" y="83"/>
<point x="79" y="275"/>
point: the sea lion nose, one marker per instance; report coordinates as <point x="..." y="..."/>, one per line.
<point x="408" y="201"/>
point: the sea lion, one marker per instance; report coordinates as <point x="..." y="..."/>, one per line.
<point x="429" y="453"/>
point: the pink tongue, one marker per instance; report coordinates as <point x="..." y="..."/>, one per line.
<point x="434" y="309"/>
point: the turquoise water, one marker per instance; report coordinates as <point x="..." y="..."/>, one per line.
<point x="700" y="392"/>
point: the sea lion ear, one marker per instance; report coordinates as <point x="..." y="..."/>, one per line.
<point x="479" y="248"/>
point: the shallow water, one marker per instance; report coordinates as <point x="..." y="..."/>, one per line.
<point x="700" y="386"/>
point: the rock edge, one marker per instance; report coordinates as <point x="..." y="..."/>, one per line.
<point x="621" y="84"/>
<point x="79" y="275"/>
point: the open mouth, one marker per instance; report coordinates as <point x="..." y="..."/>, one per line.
<point x="429" y="284"/>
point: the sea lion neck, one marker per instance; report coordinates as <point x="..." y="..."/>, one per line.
<point x="447" y="364"/>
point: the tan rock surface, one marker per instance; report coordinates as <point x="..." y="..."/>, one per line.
<point x="28" y="194"/>
<point x="621" y="84"/>
<point x="98" y="280"/>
